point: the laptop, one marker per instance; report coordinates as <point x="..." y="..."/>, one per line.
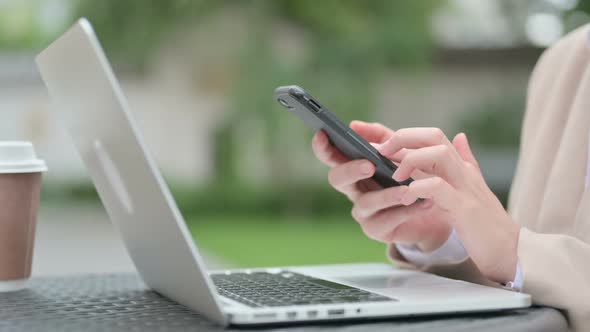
<point x="90" y="103"/>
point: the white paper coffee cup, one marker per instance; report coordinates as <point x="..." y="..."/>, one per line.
<point x="20" y="183"/>
<point x="19" y="157"/>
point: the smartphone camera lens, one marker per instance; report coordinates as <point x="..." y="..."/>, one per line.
<point x="284" y="103"/>
<point x="297" y="91"/>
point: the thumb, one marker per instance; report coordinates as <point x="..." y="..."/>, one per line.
<point x="461" y="143"/>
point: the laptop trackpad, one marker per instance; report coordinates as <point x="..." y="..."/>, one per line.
<point x="394" y="280"/>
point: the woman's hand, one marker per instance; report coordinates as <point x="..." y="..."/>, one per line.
<point x="385" y="215"/>
<point x="459" y="195"/>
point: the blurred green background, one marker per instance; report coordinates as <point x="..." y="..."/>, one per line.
<point x="200" y="75"/>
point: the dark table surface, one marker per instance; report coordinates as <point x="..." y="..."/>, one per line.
<point x="121" y="302"/>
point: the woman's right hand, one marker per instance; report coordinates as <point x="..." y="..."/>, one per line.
<point x="380" y="212"/>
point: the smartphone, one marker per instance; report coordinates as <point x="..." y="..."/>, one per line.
<point x="315" y="115"/>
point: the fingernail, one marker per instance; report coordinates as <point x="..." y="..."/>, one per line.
<point x="407" y="200"/>
<point x="366" y="168"/>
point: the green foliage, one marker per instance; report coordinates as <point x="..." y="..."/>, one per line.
<point x="349" y="44"/>
<point x="302" y="199"/>
<point x="79" y="193"/>
<point x="21" y="28"/>
<point x="358" y="34"/>
<point x="273" y="241"/>
<point x="132" y="30"/>
<point x="230" y="200"/>
<point x="31" y="39"/>
<point x="583" y="5"/>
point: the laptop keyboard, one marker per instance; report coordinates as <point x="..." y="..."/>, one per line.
<point x="264" y="289"/>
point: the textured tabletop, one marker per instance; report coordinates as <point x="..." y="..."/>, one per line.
<point x="122" y="303"/>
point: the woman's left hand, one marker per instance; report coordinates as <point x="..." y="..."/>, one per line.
<point x="458" y="192"/>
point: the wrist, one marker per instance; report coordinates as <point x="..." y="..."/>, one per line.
<point x="512" y="260"/>
<point x="508" y="261"/>
<point x="435" y="242"/>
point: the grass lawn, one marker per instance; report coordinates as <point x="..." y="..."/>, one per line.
<point x="252" y="242"/>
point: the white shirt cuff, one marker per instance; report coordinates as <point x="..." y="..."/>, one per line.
<point x="516" y="284"/>
<point x="451" y="252"/>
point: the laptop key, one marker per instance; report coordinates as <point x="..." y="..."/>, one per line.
<point x="264" y="289"/>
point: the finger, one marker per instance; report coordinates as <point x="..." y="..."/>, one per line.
<point x="461" y="144"/>
<point x="344" y="177"/>
<point x="325" y="151"/>
<point x="442" y="194"/>
<point x="382" y="225"/>
<point x="439" y="160"/>
<point x="413" y="138"/>
<point x="372" y="202"/>
<point x="371" y="132"/>
<point x="413" y="231"/>
<point x="418" y="174"/>
<point x="417" y="230"/>
<point x="398" y="156"/>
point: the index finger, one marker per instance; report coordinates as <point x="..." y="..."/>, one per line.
<point x="413" y="138"/>
<point x="325" y="151"/>
<point x="371" y="132"/>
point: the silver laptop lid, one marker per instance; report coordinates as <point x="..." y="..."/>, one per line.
<point x="89" y="101"/>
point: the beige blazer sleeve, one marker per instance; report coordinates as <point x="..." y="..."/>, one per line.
<point x="556" y="272"/>
<point x="549" y="198"/>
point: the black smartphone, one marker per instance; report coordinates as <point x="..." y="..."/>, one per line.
<point x="308" y="109"/>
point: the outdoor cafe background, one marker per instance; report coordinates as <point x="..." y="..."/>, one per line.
<point x="200" y="75"/>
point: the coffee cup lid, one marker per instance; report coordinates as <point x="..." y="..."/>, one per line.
<point x="19" y="157"/>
